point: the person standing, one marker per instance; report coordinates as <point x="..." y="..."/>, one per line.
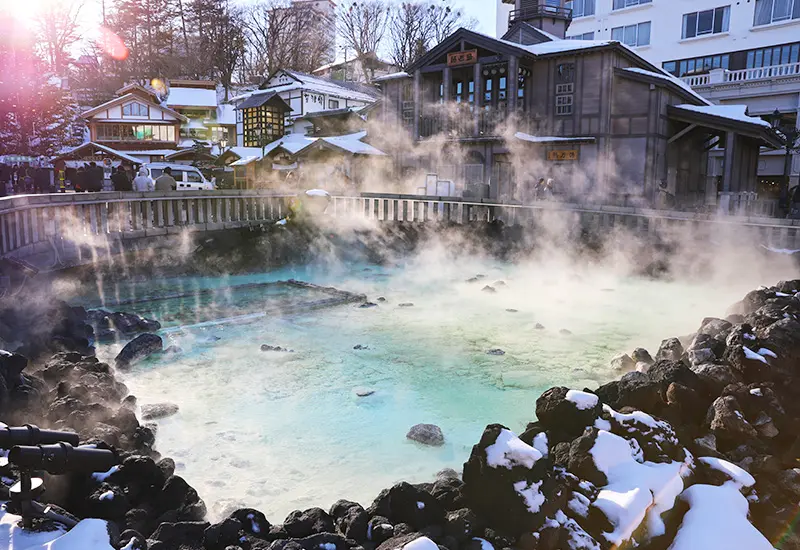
<point x="5" y="176"/>
<point x="120" y="180"/>
<point x="143" y="183"/>
<point x="165" y="182"/>
<point x="94" y="177"/>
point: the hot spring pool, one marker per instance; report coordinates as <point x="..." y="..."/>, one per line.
<point x="281" y="431"/>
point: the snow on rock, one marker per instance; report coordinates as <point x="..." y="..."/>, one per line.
<point x="485" y="544"/>
<point x="87" y="534"/>
<point x="768" y="353"/>
<point x="509" y="451"/>
<point x="532" y="495"/>
<point x="750" y="354"/>
<point x="636" y="491"/>
<point x="422" y="543"/>
<point x="757" y="392"/>
<point x="540" y="444"/>
<point x="582" y="400"/>
<point x="717" y="520"/>
<point x="108" y="495"/>
<point x="737" y="474"/>
<point x="103" y="476"/>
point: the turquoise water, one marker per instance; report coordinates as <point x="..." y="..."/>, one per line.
<point x="281" y="431"/>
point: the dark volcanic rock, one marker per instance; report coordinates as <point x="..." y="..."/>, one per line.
<point x="405" y="503"/>
<point x="670" y="350"/>
<point x="309" y="522"/>
<point x="139" y="348"/>
<point x="350" y="519"/>
<point x="253" y="522"/>
<point x="728" y="423"/>
<point x="555" y="412"/>
<point x="641" y="355"/>
<point x="158" y="410"/>
<point x="427" y="434"/>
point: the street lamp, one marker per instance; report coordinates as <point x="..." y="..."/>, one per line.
<point x="790" y="133"/>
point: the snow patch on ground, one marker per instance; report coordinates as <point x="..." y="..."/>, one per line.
<point x="757" y="392"/>
<point x="636" y="491"/>
<point x="768" y="353"/>
<point x="582" y="400"/>
<point x="89" y="534"/>
<point x="717" y="520"/>
<point x="637" y="417"/>
<point x="509" y="451"/>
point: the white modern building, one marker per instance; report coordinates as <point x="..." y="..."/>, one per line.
<point x="742" y="51"/>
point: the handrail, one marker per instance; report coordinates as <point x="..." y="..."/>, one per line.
<point x="541" y="10"/>
<point x="743" y="75"/>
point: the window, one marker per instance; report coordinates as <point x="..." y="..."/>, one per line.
<point x="584" y="36"/>
<point x="774" y="11"/>
<point x="135" y="109"/>
<point x="333" y="104"/>
<point x="581" y="8"/>
<point x="704" y="22"/>
<point x="698" y="64"/>
<point x="193" y="177"/>
<point x="620" y="4"/>
<point x="632" y="35"/>
<point x="777" y="55"/>
<point x="564" y="104"/>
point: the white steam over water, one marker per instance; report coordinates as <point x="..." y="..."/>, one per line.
<point x="284" y="431"/>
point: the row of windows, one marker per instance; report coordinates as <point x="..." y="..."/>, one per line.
<point x="704" y="22"/>
<point x="584" y="36"/>
<point x="707" y="21"/>
<point x="135" y="132"/>
<point x="750" y="59"/>
<point x="632" y="35"/>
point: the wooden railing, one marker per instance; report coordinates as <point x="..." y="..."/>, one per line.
<point x="32" y="223"/>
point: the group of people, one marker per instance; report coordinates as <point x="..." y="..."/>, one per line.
<point x="22" y="179"/>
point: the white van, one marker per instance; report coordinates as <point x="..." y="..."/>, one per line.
<point x="188" y="178"/>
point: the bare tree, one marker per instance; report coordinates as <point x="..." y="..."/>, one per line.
<point x="408" y="33"/>
<point x="228" y="39"/>
<point x="362" y="25"/>
<point x="415" y="27"/>
<point x="443" y="19"/>
<point x="281" y="35"/>
<point x="58" y="29"/>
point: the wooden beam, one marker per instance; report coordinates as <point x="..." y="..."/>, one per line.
<point x="682" y="133"/>
<point x="710" y="144"/>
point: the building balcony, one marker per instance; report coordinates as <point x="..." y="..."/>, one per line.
<point x="723" y="77"/>
<point x="527" y="13"/>
<point x="483" y="123"/>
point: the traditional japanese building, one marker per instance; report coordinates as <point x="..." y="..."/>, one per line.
<point x="496" y="115"/>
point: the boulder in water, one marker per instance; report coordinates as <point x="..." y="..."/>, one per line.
<point x="489" y="289"/>
<point x="364" y="392"/>
<point x="367" y="305"/>
<point x="141" y="347"/>
<point x="670" y="350"/>
<point x="406" y="304"/>
<point x="497" y="351"/>
<point x="360" y="347"/>
<point x="427" y="434"/>
<point x="623" y="363"/>
<point x="267" y="347"/>
<point x="641" y="355"/>
<point x="539" y="326"/>
<point x="158" y="410"/>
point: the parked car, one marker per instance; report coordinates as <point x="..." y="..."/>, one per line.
<point x="188" y="178"/>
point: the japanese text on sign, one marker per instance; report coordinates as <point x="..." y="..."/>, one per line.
<point x="462" y="58"/>
<point x="563" y="155"/>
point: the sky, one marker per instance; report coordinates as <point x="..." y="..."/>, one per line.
<point x="483" y="11"/>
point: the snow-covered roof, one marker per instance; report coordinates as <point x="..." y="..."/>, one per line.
<point x="302" y="81"/>
<point x="549" y="139"/>
<point x="244" y="161"/>
<point x="122" y="99"/>
<point x="243" y="152"/>
<point x="664" y="75"/>
<point x="226" y="114"/>
<point x="153" y="152"/>
<point x="105" y="149"/>
<point x="352" y="143"/>
<point x="191" y="97"/>
<point x="393" y="76"/>
<point x="736" y="113"/>
<point x="561" y="46"/>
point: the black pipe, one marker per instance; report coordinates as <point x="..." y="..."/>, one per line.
<point x="32" y="435"/>
<point x="62" y="458"/>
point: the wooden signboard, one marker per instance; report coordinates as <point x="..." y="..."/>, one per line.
<point x="457" y="59"/>
<point x="563" y="155"/>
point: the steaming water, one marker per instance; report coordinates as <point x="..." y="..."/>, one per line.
<point x="284" y="431"/>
